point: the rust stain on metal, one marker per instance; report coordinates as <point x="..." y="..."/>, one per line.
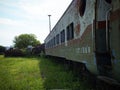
<point x="115" y="15"/>
<point x="77" y="30"/>
<point x="77" y="4"/>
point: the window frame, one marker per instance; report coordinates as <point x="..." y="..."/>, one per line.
<point x="70" y="31"/>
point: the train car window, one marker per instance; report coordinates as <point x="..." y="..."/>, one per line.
<point x="108" y="1"/>
<point x="62" y="36"/>
<point x="54" y="41"/>
<point x="50" y="44"/>
<point x="70" y="31"/>
<point x="68" y="36"/>
<point x="57" y="39"/>
<point x="82" y="7"/>
<point x="45" y="45"/>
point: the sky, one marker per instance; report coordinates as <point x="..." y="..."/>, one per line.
<point x="28" y="17"/>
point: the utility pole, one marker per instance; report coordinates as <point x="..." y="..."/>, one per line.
<point x="49" y="23"/>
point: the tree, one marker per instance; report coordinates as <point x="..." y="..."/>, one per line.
<point x="24" y="40"/>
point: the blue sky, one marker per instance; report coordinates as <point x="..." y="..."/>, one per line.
<point x="28" y="16"/>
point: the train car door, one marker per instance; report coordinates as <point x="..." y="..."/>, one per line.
<point x="102" y="45"/>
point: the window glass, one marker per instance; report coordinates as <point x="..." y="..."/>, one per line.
<point x="57" y="39"/>
<point x="71" y="28"/>
<point x="108" y="1"/>
<point x="54" y="42"/>
<point x="82" y="7"/>
<point x="70" y="31"/>
<point x="62" y="36"/>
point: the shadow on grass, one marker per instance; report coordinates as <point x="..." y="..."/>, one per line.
<point x="37" y="73"/>
<point x="56" y="76"/>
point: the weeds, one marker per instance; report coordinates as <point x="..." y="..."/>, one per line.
<point x="35" y="73"/>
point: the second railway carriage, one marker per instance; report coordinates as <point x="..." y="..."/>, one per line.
<point x="89" y="32"/>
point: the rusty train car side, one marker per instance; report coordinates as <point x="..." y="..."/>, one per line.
<point x="89" y="33"/>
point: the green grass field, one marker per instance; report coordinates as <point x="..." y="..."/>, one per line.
<point x="35" y="73"/>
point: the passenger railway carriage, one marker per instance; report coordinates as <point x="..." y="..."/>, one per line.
<point x="89" y="33"/>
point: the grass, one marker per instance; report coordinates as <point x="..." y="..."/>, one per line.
<point x="35" y="73"/>
<point x="20" y="74"/>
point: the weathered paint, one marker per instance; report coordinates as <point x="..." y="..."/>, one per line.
<point x="77" y="30"/>
<point x="103" y="7"/>
<point x="115" y="37"/>
<point x="81" y="48"/>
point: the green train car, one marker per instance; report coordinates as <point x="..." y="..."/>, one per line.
<point x="89" y="33"/>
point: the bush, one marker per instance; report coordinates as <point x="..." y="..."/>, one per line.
<point x="2" y="50"/>
<point x="13" y="53"/>
<point x="39" y="49"/>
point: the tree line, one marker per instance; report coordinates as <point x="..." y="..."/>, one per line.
<point x="23" y="43"/>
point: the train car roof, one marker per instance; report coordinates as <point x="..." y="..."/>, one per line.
<point x="61" y="17"/>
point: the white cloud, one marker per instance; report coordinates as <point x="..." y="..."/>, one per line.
<point x="30" y="16"/>
<point x="7" y="21"/>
